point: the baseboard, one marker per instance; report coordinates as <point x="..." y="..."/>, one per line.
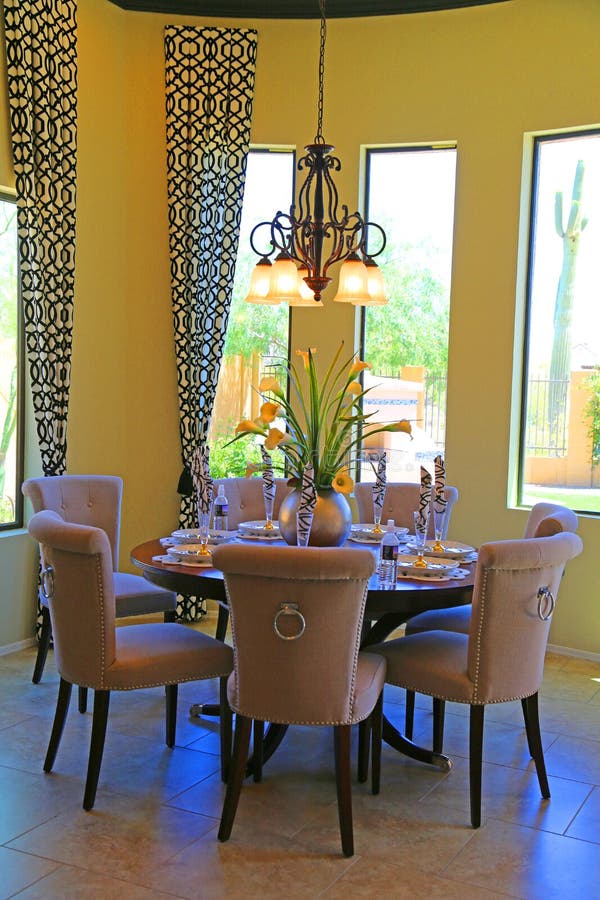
<point x="19" y="645"/>
<point x="571" y="651"/>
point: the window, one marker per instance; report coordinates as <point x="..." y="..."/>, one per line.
<point x="257" y="336"/>
<point x="410" y="193"/>
<point x="11" y="364"/>
<point x="560" y="426"/>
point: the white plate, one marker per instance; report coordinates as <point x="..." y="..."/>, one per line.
<point x="186" y="551"/>
<point x="441" y="566"/>
<point x="367" y="532"/>
<point x="192" y="536"/>
<point x="173" y="561"/>
<point x="258" y="527"/>
<point x="265" y="536"/>
<point x="363" y="539"/>
<point x="452" y="549"/>
<point x="454" y="575"/>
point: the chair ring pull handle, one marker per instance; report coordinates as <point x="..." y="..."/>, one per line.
<point x="289" y="609"/>
<point x="546" y="603"/>
<point x="47" y="582"/>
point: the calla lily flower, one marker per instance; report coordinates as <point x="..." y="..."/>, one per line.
<point x="269" y="383"/>
<point x="355" y="387"/>
<point x="252" y="469"/>
<point x="342" y="483"/>
<point x="274" y="438"/>
<point x="248" y="427"/>
<point x="358" y="366"/>
<point x="306" y="356"/>
<point x="269" y="411"/>
<point x="403" y="425"/>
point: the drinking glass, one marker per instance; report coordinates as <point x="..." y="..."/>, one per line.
<point x="420" y="535"/>
<point x="377" y="520"/>
<point x="203" y="533"/>
<point x="439" y="522"/>
<point x="269" y="501"/>
<point x="302" y="532"/>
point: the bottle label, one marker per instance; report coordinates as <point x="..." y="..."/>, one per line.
<point x="221" y="506"/>
<point x="389" y="552"/>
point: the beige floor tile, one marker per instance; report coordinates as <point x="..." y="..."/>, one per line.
<point x="586" y="824"/>
<point x="363" y="880"/>
<point x="530" y="864"/>
<point x="18" y="870"/>
<point x="25" y="803"/>
<point x="570" y="757"/>
<point x="81" y="884"/>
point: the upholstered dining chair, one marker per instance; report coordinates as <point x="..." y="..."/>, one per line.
<point x="544" y="520"/>
<point x="296" y="618"/>
<point x="400" y="502"/>
<point x="77" y="579"/>
<point x="502" y="657"/>
<point x="245" y="496"/>
<point x="95" y="500"/>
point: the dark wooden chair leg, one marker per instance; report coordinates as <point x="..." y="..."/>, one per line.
<point x="171" y="713"/>
<point x="534" y="739"/>
<point x="222" y="622"/>
<point x="170" y="615"/>
<point x="376" y="732"/>
<point x="225" y="721"/>
<point x="100" y="718"/>
<point x="364" y="733"/>
<point x="237" y="772"/>
<point x="526" y="720"/>
<point x="257" y="750"/>
<point x="409" y="715"/>
<point x="439" y="711"/>
<point x="475" y="762"/>
<point x="82" y="699"/>
<point x="341" y="741"/>
<point x="60" y="717"/>
<point x="43" y="645"/>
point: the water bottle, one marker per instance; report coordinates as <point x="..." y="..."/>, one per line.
<point x="220" y="510"/>
<point x="388" y="560"/>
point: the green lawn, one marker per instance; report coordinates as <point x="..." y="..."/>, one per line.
<point x="578" y="499"/>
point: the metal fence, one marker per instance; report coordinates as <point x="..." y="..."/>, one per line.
<point x="434" y="409"/>
<point x="547" y="417"/>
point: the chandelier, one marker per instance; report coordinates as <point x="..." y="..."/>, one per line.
<point x="316" y="234"/>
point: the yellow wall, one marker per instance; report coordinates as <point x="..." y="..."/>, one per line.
<point x="482" y="77"/>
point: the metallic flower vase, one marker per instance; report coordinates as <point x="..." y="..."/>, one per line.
<point x="331" y="521"/>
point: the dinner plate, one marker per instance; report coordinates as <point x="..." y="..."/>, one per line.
<point x="367" y="533"/>
<point x="204" y="563"/>
<point x="265" y="536"/>
<point x="257" y="527"/>
<point x="441" y="566"/>
<point x="186" y="551"/>
<point x="452" y="550"/>
<point x="365" y="539"/>
<point x="192" y="536"/>
<point x="453" y="575"/>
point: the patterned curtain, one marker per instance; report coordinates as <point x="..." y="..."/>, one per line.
<point x="209" y="90"/>
<point x="41" y="51"/>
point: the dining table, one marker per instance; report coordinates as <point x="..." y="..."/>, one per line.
<point x="385" y="610"/>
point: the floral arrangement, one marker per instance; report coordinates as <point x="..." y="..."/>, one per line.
<point x="324" y="425"/>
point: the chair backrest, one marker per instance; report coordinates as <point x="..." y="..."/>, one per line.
<point x="309" y="679"/>
<point x="550" y="518"/>
<point x="245" y="498"/>
<point x="401" y="501"/>
<point x="81" y="601"/>
<point x="83" y="500"/>
<point x="511" y="613"/>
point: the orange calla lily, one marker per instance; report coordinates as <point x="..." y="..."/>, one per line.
<point x="269" y="411"/>
<point x="248" y="427"/>
<point x="274" y="438"/>
<point x="269" y="383"/>
<point x="358" y="366"/>
<point x="342" y="482"/>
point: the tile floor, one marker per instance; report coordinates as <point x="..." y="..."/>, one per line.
<point x="152" y="832"/>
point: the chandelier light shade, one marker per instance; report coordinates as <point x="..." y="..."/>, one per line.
<point x="317" y="233"/>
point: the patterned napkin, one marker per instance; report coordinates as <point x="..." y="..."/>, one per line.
<point x="308" y="500"/>
<point x="268" y="483"/>
<point x="379" y="488"/>
<point x="202" y="480"/>
<point x="424" y="497"/>
<point x="439" y="501"/>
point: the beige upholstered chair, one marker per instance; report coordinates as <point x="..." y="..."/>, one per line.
<point x="78" y="581"/>
<point x="401" y="501"/>
<point x="545" y="519"/>
<point x="502" y="657"/>
<point x="245" y="497"/>
<point x="95" y="500"/>
<point x="296" y="618"/>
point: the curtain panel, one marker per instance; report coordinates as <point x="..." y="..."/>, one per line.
<point x="41" y="51"/>
<point x="209" y="83"/>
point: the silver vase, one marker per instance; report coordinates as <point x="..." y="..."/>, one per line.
<point x="331" y="522"/>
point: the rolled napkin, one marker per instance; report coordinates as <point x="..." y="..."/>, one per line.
<point x="439" y="501"/>
<point x="424" y="496"/>
<point x="306" y="507"/>
<point x="202" y="480"/>
<point x="379" y="488"/>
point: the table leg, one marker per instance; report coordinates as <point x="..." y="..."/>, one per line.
<point x="213" y="709"/>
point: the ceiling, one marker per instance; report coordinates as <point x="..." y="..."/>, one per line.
<point x="294" y="9"/>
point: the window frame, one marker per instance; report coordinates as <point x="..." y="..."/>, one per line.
<point x="8" y="196"/>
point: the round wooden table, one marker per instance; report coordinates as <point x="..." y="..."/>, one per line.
<point x="385" y="610"/>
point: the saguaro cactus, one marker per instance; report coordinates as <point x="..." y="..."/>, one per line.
<point x="560" y="361"/>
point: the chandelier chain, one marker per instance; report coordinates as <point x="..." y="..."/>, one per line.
<point x="319" y="139"/>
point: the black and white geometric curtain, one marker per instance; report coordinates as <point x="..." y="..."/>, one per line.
<point x="209" y="91"/>
<point x="41" y="51"/>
